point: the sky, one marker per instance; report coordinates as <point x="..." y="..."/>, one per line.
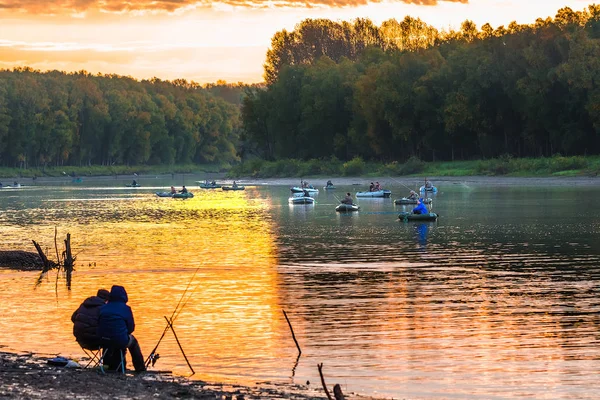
<point x="204" y="40"/>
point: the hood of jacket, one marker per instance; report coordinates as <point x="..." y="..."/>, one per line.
<point x="118" y="293"/>
<point x="93" y="301"/>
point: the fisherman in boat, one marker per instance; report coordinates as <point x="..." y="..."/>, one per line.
<point x="329" y="183"/>
<point x="420" y="208"/>
<point x="372" y="187"/>
<point x="428" y="184"/>
<point x="183" y="189"/>
<point x="377" y="187"/>
<point x="412" y="195"/>
<point x="306" y="194"/>
<point x="235" y="185"/>
<point x="134" y="183"/>
<point x="173" y="190"/>
<point x="213" y="183"/>
<point x="348" y="199"/>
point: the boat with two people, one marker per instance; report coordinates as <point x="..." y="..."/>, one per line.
<point x="375" y="190"/>
<point x="305" y="186"/>
<point x="208" y="185"/>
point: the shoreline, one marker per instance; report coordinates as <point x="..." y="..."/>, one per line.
<point x="319" y="181"/>
<point x="27" y="375"/>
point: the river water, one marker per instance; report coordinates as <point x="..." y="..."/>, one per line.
<point x="498" y="299"/>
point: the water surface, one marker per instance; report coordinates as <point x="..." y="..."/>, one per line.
<point x="498" y="299"/>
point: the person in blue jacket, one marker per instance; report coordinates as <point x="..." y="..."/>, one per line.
<point x="116" y="325"/>
<point x="420" y="208"/>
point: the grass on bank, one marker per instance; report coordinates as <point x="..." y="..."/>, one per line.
<point x="101" y="170"/>
<point x="257" y="168"/>
<point x="503" y="166"/>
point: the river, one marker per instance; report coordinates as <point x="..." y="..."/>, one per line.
<point x="498" y="299"/>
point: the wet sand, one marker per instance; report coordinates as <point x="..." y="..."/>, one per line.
<point x="27" y="376"/>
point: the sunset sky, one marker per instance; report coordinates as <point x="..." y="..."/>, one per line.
<point x="205" y="40"/>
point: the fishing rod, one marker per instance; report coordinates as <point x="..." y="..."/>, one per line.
<point x="400" y="183"/>
<point x="153" y="355"/>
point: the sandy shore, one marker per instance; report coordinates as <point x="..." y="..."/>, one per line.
<point x="26" y="376"/>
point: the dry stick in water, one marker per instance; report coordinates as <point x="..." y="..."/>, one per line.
<point x="292" y="329"/>
<point x="170" y="324"/>
<point x="320" y="367"/>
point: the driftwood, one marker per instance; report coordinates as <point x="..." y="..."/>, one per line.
<point x="337" y="392"/>
<point x="21" y="260"/>
<point x="337" y="389"/>
<point x="66" y="264"/>
<point x="320" y="367"/>
<point x="293" y="335"/>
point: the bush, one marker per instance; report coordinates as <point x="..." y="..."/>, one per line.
<point x="413" y="165"/>
<point x="354" y="167"/>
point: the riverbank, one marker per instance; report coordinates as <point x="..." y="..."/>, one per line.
<point x="319" y="181"/>
<point x="27" y="376"/>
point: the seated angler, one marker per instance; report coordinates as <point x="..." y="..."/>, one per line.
<point x="115" y="328"/>
<point x="85" y="320"/>
<point x="348" y="199"/>
<point x="420" y="208"/>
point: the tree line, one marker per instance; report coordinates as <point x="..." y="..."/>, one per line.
<point x="405" y="89"/>
<point x="56" y="118"/>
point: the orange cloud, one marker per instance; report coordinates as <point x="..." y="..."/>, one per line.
<point x="123" y="6"/>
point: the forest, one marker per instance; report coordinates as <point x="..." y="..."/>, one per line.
<point x="406" y="90"/>
<point x="400" y="91"/>
<point x="79" y="119"/>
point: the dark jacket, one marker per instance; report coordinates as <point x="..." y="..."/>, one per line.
<point x="420" y="209"/>
<point x="85" y="322"/>
<point x="116" y="319"/>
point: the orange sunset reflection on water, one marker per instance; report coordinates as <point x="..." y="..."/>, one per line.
<point x="218" y="246"/>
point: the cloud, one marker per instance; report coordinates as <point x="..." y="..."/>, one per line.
<point x="139" y="59"/>
<point x="59" y="7"/>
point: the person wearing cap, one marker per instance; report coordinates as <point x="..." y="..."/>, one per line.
<point x="116" y="325"/>
<point x="85" y="320"/>
<point x="420" y="208"/>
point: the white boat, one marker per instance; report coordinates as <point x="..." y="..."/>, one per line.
<point x="377" y="193"/>
<point x="301" y="200"/>
<point x="431" y="189"/>
<point x="310" y="190"/>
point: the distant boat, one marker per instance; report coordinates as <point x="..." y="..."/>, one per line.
<point x="310" y="190"/>
<point x="406" y="216"/>
<point x="233" y="187"/>
<point x="431" y="189"/>
<point x="301" y="200"/>
<point x="347" y="208"/>
<point x="376" y="193"/>
<point x="406" y="200"/>
<point x="133" y="185"/>
<point x="208" y="185"/>
<point x="186" y="195"/>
